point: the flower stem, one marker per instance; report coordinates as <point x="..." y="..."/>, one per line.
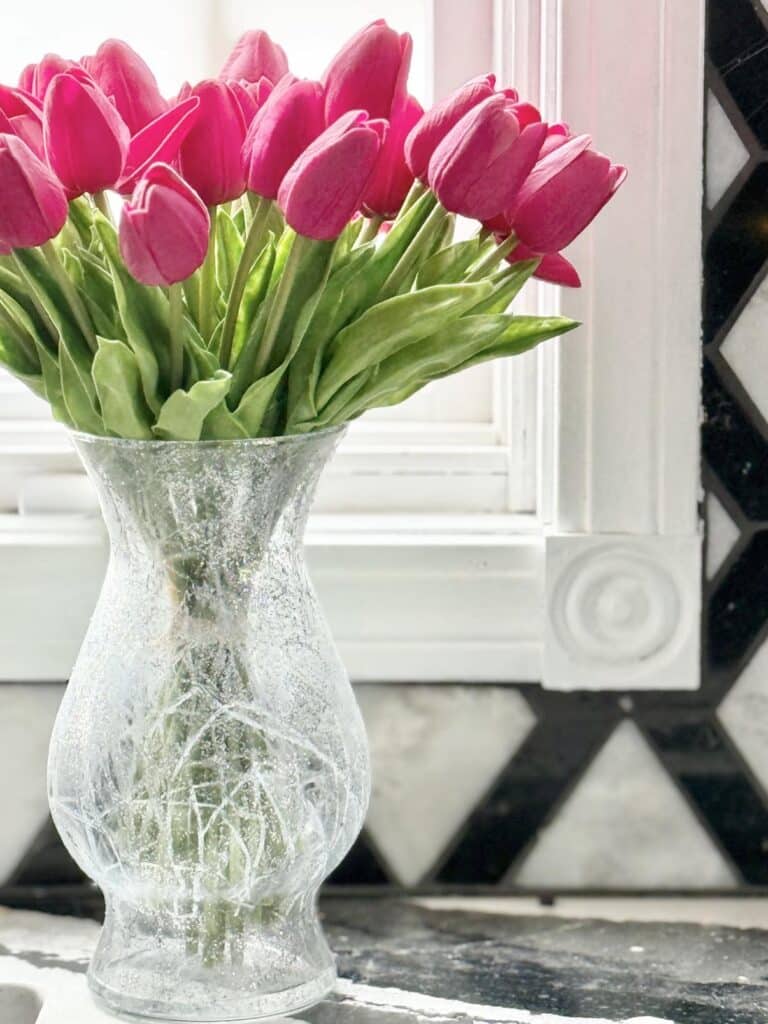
<point x="489" y="262"/>
<point x="70" y="292"/>
<point x="208" y="284"/>
<point x="176" y="324"/>
<point x="415" y="251"/>
<point x="102" y="204"/>
<point x="279" y="304"/>
<point x="415" y="193"/>
<point x="253" y="244"/>
<point x="370" y="230"/>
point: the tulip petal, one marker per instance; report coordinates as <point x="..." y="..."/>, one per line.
<point x="159" y="141"/>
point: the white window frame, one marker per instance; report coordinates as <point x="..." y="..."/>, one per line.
<point x="597" y="584"/>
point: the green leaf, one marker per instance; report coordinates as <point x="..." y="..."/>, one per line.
<point x="79" y="392"/>
<point x="117" y="377"/>
<point x="94" y="283"/>
<point x="229" y="248"/>
<point x="392" y="325"/>
<point x="144" y="313"/>
<point x="447" y="266"/>
<point x="183" y="414"/>
<point x="222" y="425"/>
<point x="506" y="287"/>
<point x="253" y="296"/>
<point x="305" y="367"/>
<point x="52" y="383"/>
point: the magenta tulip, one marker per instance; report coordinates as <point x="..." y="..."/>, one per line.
<point x="479" y="167"/>
<point x="280" y="132"/>
<point x="35" y="78"/>
<point x="255" y="56"/>
<point x="164" y="228"/>
<point x="553" y="266"/>
<point x="252" y="96"/>
<point x="158" y="142"/>
<point x="392" y="178"/>
<point x="210" y="157"/>
<point x="85" y="138"/>
<point x="123" y="76"/>
<point x="33" y="206"/>
<point x="22" y="115"/>
<point x="564" y="193"/>
<point x="324" y="188"/>
<point x="432" y="128"/>
<point x="370" y="72"/>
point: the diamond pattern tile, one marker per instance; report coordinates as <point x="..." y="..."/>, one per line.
<point x="435" y="751"/>
<point x="726" y="153"/>
<point x="625" y="826"/>
<point x="744" y="713"/>
<point x="745" y="348"/>
<point x="722" y="534"/>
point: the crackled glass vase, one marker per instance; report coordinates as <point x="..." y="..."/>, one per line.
<point x="209" y="764"/>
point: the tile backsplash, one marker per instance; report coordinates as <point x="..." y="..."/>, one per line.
<point x="508" y="786"/>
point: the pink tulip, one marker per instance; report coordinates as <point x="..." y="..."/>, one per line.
<point x="392" y="178"/>
<point x="553" y="266"/>
<point x="255" y="56"/>
<point x="35" y="78"/>
<point x="158" y="142"/>
<point x="430" y="131"/>
<point x="564" y="193"/>
<point x="210" y="154"/>
<point x="22" y="116"/>
<point x="33" y="206"/>
<point x="164" y="228"/>
<point x="85" y="138"/>
<point x="123" y="76"/>
<point x="370" y="72"/>
<point x="324" y="188"/>
<point x="252" y="96"/>
<point x="479" y="167"/>
<point x="280" y="132"/>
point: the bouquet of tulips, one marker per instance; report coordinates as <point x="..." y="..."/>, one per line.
<point x="264" y="254"/>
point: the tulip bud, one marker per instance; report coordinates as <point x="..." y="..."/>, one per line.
<point x="553" y="266"/>
<point x="324" y="188"/>
<point x="33" y="206"/>
<point x="253" y="95"/>
<point x="164" y="228"/>
<point x="478" y="168"/>
<point x="23" y="116"/>
<point x="158" y="142"/>
<point x="564" y="193"/>
<point x="210" y="157"/>
<point x="392" y="178"/>
<point x="288" y="122"/>
<point x="432" y="128"/>
<point x="85" y="138"/>
<point x="255" y="56"/>
<point x="35" y="78"/>
<point x="123" y="76"/>
<point x="370" y="72"/>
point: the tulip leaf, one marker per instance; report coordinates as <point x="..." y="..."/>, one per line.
<point x="306" y="364"/>
<point x="506" y="286"/>
<point x="253" y="296"/>
<point x="447" y="266"/>
<point x="17" y="337"/>
<point x="79" y="392"/>
<point x="184" y="412"/>
<point x="222" y="425"/>
<point x="96" y="289"/>
<point x="52" y="383"/>
<point x="144" y="313"/>
<point x="229" y="249"/>
<point x="392" y="325"/>
<point x="118" y="381"/>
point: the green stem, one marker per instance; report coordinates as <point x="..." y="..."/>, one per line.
<point x="102" y="204"/>
<point x="279" y="304"/>
<point x="176" y="323"/>
<point x="208" y="284"/>
<point x="370" y="230"/>
<point x="489" y="262"/>
<point x="253" y="244"/>
<point x="407" y="261"/>
<point x="74" y="301"/>
<point x="415" y="193"/>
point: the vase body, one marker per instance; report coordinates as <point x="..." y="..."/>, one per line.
<point x="208" y="766"/>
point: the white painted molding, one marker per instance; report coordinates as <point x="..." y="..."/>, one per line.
<point x="622" y="612"/>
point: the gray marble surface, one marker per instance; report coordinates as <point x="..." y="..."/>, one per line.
<point x="448" y="962"/>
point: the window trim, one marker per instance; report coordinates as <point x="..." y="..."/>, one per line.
<point x="509" y="598"/>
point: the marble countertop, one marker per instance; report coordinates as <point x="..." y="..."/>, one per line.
<point x="469" y="961"/>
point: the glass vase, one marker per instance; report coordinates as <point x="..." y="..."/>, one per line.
<point x="208" y="766"/>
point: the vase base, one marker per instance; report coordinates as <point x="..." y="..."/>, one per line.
<point x="254" y="1009"/>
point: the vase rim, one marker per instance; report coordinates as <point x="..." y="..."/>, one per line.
<point x="245" y="442"/>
